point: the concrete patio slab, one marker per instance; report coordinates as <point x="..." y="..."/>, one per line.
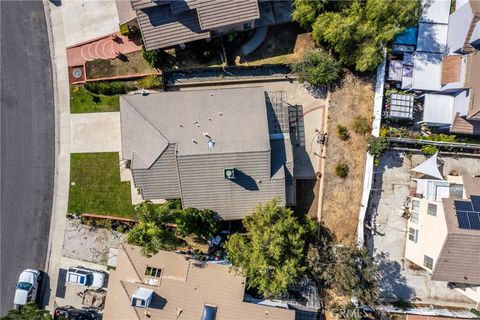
<point x="86" y="20"/>
<point x="399" y="280"/>
<point x="95" y="132"/>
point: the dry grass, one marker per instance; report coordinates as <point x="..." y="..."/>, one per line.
<point x="342" y="196"/>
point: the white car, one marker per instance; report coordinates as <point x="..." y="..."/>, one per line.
<point x="86" y="277"/>
<point x="27" y="287"/>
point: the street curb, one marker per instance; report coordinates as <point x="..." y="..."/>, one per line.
<point x="46" y="10"/>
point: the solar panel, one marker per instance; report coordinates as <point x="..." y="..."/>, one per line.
<point x="463" y="222"/>
<point x="474" y="219"/>
<point x="463" y="205"/>
<point x="476" y="203"/>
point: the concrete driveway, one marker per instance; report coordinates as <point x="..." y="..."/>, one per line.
<point x="86" y="20"/>
<point x="95" y="132"/>
<point x="390" y="188"/>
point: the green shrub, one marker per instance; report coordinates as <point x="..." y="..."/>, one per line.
<point x="341" y="170"/>
<point x="124" y="29"/>
<point x="317" y="68"/>
<point x="202" y="224"/>
<point x="343" y="132"/>
<point x="120" y="228"/>
<point x="429" y="149"/>
<point x="108" y="88"/>
<point x="440" y="137"/>
<point x="158" y="58"/>
<point x="361" y="125"/>
<point x="377" y="145"/>
<point x="150" y="82"/>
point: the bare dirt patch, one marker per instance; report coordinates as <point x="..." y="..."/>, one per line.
<point x="342" y="196"/>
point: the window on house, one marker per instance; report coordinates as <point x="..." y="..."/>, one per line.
<point x="414" y="217"/>
<point x="412" y="234"/>
<point x="432" y="209"/>
<point x="415" y="205"/>
<point x="247" y="25"/>
<point x="153" y="272"/>
<point x="427" y="262"/>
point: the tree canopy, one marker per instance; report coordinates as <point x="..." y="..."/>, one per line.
<point x="317" y="68"/>
<point x="348" y="271"/>
<point x="29" y="311"/>
<point x="357" y="30"/>
<point x="201" y="223"/>
<point x="271" y="253"/>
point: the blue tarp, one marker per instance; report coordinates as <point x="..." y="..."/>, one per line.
<point x="407" y="37"/>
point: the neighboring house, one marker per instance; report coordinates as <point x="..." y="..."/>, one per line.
<point x="445" y="65"/>
<point x="223" y="149"/>
<point x="168" y="23"/>
<point x="170" y="286"/>
<point x="443" y="232"/>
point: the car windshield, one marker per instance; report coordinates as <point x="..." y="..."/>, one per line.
<point x="24" y="286"/>
<point x="89" y="281"/>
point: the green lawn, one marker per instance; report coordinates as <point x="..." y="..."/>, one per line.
<point x="82" y="101"/>
<point x="95" y="185"/>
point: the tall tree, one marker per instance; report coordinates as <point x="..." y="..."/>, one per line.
<point x="358" y="32"/>
<point x="348" y="271"/>
<point x="271" y="253"/>
<point x="29" y="311"/>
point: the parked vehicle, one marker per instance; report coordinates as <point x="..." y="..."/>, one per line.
<point x="86" y="277"/>
<point x="27" y="287"/>
<point x="70" y="313"/>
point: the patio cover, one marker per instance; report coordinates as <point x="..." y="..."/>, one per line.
<point x="441" y="108"/>
<point x="429" y="167"/>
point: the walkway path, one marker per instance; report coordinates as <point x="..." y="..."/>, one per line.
<point x="62" y="143"/>
<point x="108" y="47"/>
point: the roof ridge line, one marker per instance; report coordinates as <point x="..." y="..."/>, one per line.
<point x="148" y="121"/>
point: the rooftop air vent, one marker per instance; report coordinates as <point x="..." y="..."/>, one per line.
<point x="211" y="144"/>
<point x="229" y="173"/>
<point x="142" y="297"/>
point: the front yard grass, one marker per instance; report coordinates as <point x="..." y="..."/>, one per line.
<point x="82" y="101"/>
<point x="95" y="186"/>
<point x="131" y="64"/>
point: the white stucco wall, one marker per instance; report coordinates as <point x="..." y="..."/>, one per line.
<point x="432" y="231"/>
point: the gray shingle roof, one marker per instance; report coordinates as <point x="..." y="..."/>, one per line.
<point x="235" y="119"/>
<point x="167" y="23"/>
<point x="159" y="128"/>
<point x="161" y="28"/>
<point x="219" y="13"/>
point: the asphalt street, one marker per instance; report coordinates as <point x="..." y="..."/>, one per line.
<point x="27" y="143"/>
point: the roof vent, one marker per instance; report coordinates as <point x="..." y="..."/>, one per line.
<point x="209" y="119"/>
<point x="206" y="134"/>
<point x="211" y="94"/>
<point x="194" y="141"/>
<point x="229" y="173"/>
<point x="211" y="144"/>
<point x="195" y="122"/>
<point x="220" y="114"/>
<point x="142" y="297"/>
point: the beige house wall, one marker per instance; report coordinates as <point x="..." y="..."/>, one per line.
<point x="432" y="232"/>
<point x="471" y="293"/>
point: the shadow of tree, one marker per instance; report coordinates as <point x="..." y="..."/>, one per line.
<point x="393" y="284"/>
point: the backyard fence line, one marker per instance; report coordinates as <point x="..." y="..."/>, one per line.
<point x="99" y="216"/>
<point x="370" y="160"/>
<point x="130" y="76"/>
<point x="456" y="145"/>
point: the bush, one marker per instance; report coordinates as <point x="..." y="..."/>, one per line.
<point x="150" y="82"/>
<point x="108" y="88"/>
<point x="341" y="170"/>
<point x="124" y="29"/>
<point x="377" y="145"/>
<point x="440" y="137"/>
<point x="361" y="125"/>
<point x="429" y="149"/>
<point x="317" y="68"/>
<point x="201" y="223"/>
<point x="158" y="58"/>
<point x="343" y="132"/>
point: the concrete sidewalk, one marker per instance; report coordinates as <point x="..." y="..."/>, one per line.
<point x="56" y="37"/>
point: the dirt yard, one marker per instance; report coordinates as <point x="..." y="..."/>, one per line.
<point x="285" y="43"/>
<point x="342" y="196"/>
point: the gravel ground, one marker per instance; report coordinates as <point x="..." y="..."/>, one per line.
<point x="89" y="244"/>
